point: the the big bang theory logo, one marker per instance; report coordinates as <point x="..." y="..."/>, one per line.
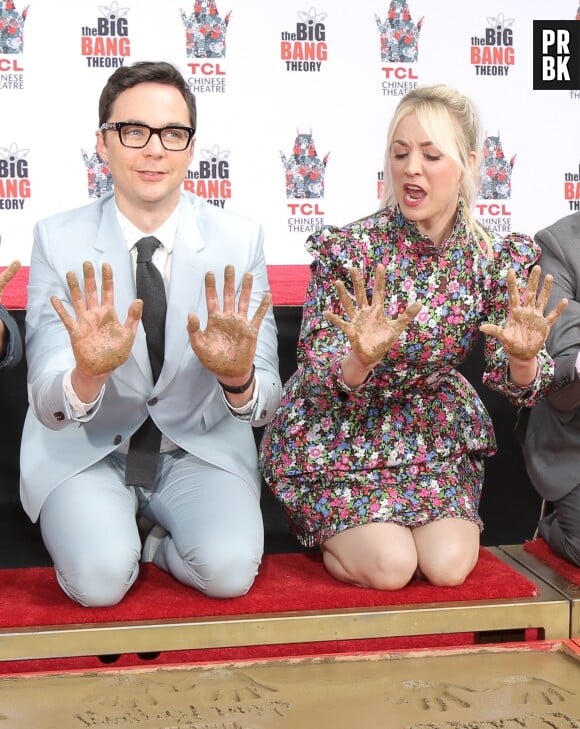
<point x="14" y="178"/>
<point x="304" y="48"/>
<point x="11" y="44"/>
<point x="496" y="185"/>
<point x="211" y="179"/>
<point x="107" y="44"/>
<point x="399" y="46"/>
<point x="205" y="39"/>
<point x="572" y="185"/>
<point x="380" y="184"/>
<point x="492" y="54"/>
<point x="304" y="177"/>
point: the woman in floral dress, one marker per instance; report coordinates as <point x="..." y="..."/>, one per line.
<point x="377" y="450"/>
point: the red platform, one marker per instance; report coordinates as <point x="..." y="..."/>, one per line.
<point x="287" y="283"/>
<point x="294" y="608"/>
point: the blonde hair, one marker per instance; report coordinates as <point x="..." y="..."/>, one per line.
<point x="452" y="123"/>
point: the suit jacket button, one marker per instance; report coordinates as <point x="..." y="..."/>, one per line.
<point x="58" y="415"/>
<point x="117" y="440"/>
<point x="152" y="402"/>
<point x="263" y="414"/>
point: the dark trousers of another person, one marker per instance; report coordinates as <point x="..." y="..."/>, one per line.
<point x="561" y="528"/>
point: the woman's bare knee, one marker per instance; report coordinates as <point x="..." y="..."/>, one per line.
<point x="449" y="573"/>
<point x="377" y="574"/>
<point x="448" y="551"/>
<point x="377" y="556"/>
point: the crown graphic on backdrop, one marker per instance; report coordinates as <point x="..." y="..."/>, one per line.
<point x="399" y="34"/>
<point x="205" y="30"/>
<point x="11" y="27"/>
<point x="304" y="169"/>
<point x="496" y="171"/>
<point x="99" y="179"/>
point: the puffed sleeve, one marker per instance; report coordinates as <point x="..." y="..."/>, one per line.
<point x="321" y="345"/>
<point x="518" y="252"/>
<point x="320" y="342"/>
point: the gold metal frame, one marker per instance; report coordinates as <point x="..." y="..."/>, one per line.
<point x="549" y="610"/>
<point x="553" y="578"/>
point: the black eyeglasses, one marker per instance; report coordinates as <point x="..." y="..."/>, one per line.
<point x="137" y="136"/>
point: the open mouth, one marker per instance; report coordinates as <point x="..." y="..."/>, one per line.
<point x="414" y="193"/>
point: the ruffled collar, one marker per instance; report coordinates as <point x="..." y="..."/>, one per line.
<point x="412" y="237"/>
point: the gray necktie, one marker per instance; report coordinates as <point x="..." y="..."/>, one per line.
<point x="143" y="456"/>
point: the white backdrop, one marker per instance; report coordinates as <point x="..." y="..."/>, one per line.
<point x="278" y="69"/>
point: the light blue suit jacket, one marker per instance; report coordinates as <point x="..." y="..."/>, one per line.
<point x="189" y="405"/>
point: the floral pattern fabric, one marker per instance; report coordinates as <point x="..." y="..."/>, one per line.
<point x="408" y="445"/>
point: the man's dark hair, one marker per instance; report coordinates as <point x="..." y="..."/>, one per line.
<point x="126" y="77"/>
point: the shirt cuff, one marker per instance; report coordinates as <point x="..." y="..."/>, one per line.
<point x="245" y="411"/>
<point x="79" y="410"/>
<point x="518" y="391"/>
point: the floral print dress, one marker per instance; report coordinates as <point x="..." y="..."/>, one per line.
<point x="408" y="445"/>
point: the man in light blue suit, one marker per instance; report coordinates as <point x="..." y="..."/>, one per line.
<point x="90" y="380"/>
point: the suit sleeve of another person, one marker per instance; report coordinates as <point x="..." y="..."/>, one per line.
<point x="551" y="446"/>
<point x="560" y="257"/>
<point x="14" y="347"/>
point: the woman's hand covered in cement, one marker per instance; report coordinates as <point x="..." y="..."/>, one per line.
<point x="526" y="329"/>
<point x="371" y="334"/>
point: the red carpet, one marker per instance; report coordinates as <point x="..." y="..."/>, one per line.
<point x="287" y="283"/>
<point x="542" y="550"/>
<point x="286" y="583"/>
